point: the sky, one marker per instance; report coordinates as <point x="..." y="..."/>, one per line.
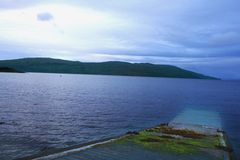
<point x="199" y="35"/>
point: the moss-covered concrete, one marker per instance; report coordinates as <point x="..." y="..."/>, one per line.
<point x="166" y="139"/>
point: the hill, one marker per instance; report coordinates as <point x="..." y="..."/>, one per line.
<point x="49" y="65"/>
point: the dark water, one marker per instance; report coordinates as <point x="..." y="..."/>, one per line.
<point x="40" y="111"/>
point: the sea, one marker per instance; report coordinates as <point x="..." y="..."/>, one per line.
<point x="40" y="111"/>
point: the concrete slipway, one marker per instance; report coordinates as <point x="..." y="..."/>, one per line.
<point x="191" y="135"/>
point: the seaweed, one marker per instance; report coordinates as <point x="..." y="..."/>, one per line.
<point x="181" y="132"/>
<point x="164" y="138"/>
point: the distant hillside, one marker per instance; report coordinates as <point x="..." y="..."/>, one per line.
<point x="48" y="65"/>
<point x="7" y="69"/>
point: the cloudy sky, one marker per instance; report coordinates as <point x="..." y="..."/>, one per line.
<point x="200" y="35"/>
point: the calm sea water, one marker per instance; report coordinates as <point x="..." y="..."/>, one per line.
<point x="42" y="111"/>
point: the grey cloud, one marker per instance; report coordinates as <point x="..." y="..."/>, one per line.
<point x="45" y="16"/>
<point x="182" y="29"/>
<point x="228" y="38"/>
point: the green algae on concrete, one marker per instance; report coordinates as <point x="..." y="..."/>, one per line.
<point x="164" y="138"/>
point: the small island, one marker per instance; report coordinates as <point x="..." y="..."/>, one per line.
<point x="9" y="70"/>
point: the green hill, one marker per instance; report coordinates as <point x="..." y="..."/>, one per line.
<point x="48" y="65"/>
